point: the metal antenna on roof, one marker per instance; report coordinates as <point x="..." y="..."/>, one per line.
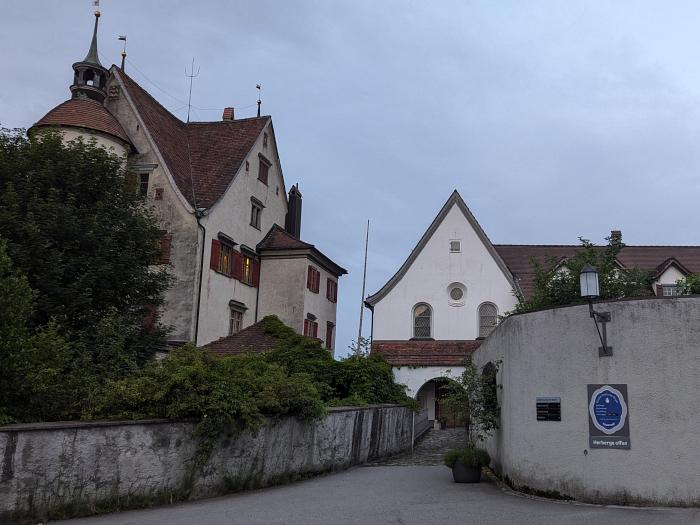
<point x="191" y="75"/>
<point x="259" y="88"/>
<point x="123" y="37"/>
<point x="358" y="348"/>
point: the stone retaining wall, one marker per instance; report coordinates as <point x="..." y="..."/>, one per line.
<point x="63" y="469"/>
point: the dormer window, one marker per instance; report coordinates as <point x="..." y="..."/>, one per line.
<point x="263" y="169"/>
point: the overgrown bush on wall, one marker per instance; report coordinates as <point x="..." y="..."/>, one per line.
<point x="233" y="393"/>
<point x="557" y="282"/>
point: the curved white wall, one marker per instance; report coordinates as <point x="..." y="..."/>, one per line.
<point x="110" y="144"/>
<point x="656" y="353"/>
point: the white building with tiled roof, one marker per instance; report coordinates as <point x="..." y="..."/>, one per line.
<point x="218" y="191"/>
<point x="449" y="293"/>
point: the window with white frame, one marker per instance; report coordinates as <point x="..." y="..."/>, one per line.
<point x="670" y="290"/>
<point x="422" y="321"/>
<point x="488" y="318"/>
<point x="236" y="321"/>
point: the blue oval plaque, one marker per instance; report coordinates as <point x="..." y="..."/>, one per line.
<point x="608" y="409"/>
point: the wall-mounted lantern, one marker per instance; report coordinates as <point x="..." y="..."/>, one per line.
<point x="590" y="290"/>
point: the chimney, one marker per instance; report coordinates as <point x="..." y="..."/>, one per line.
<point x="616" y="236"/>
<point x="228" y="114"/>
<point x="292" y="222"/>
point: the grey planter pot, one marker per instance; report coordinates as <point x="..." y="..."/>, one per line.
<point x="462" y="473"/>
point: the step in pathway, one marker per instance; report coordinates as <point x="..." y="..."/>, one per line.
<point x="429" y="450"/>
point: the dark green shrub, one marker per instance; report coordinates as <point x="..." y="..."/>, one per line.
<point x="472" y="456"/>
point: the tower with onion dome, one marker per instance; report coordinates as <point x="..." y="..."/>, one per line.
<point x="84" y="115"/>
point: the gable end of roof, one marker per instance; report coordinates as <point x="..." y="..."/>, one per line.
<point x="455" y="199"/>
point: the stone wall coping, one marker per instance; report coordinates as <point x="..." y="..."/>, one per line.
<point x="600" y="302"/>
<point x="61" y="425"/>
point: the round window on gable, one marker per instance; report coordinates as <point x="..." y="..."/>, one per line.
<point x="456" y="294"/>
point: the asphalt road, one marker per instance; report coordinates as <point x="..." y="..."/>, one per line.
<point x="378" y="495"/>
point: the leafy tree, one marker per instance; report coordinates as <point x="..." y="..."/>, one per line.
<point x="689" y="285"/>
<point x="84" y="241"/>
<point x="41" y="378"/>
<point x="557" y="283"/>
<point x="473" y="397"/>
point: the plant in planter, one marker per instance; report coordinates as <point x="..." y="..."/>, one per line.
<point x="473" y="397"/>
<point x="466" y="463"/>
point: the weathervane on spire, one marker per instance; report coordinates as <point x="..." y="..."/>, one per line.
<point x="122" y="37"/>
<point x="96" y="3"/>
<point x="259" y="88"/>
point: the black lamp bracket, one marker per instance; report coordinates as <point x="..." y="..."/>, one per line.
<point x="603" y="318"/>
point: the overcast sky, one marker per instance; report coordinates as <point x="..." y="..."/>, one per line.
<point x="553" y="119"/>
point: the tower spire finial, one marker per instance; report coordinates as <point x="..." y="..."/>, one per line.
<point x="90" y="77"/>
<point x="92" y="57"/>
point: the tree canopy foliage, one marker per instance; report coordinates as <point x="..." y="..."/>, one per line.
<point x="557" y="281"/>
<point x="77" y="275"/>
<point x="689" y="285"/>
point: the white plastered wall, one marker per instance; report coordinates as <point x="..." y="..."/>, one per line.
<point x="231" y="216"/>
<point x="110" y="144"/>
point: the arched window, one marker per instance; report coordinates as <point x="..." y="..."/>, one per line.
<point x="422" y="318"/>
<point x="488" y="318"/>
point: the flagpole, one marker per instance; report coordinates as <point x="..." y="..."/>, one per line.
<point x="362" y="299"/>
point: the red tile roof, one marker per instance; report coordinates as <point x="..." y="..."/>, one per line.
<point x="251" y="339"/>
<point x="84" y="113"/>
<point x="518" y="258"/>
<point x="203" y="157"/>
<point x="279" y="239"/>
<point x="425" y="352"/>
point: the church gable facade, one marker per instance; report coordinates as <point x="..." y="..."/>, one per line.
<point x="453" y="274"/>
<point x="218" y="191"/>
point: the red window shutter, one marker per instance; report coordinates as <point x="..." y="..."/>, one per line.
<point x="317" y="281"/>
<point x="659" y="290"/>
<point x="165" y="243"/>
<point x="256" y="273"/>
<point x="310" y="277"/>
<point x="215" y="254"/>
<point x="236" y="265"/>
<point x="328" y="288"/>
<point x="329" y="336"/>
<point x="335" y="291"/>
<point x="306" y="327"/>
<point x="314" y="325"/>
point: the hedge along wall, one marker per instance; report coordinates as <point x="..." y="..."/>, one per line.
<point x="63" y="469"/>
<point x="554" y="353"/>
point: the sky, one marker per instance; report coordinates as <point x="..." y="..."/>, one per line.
<point x="553" y="119"/>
